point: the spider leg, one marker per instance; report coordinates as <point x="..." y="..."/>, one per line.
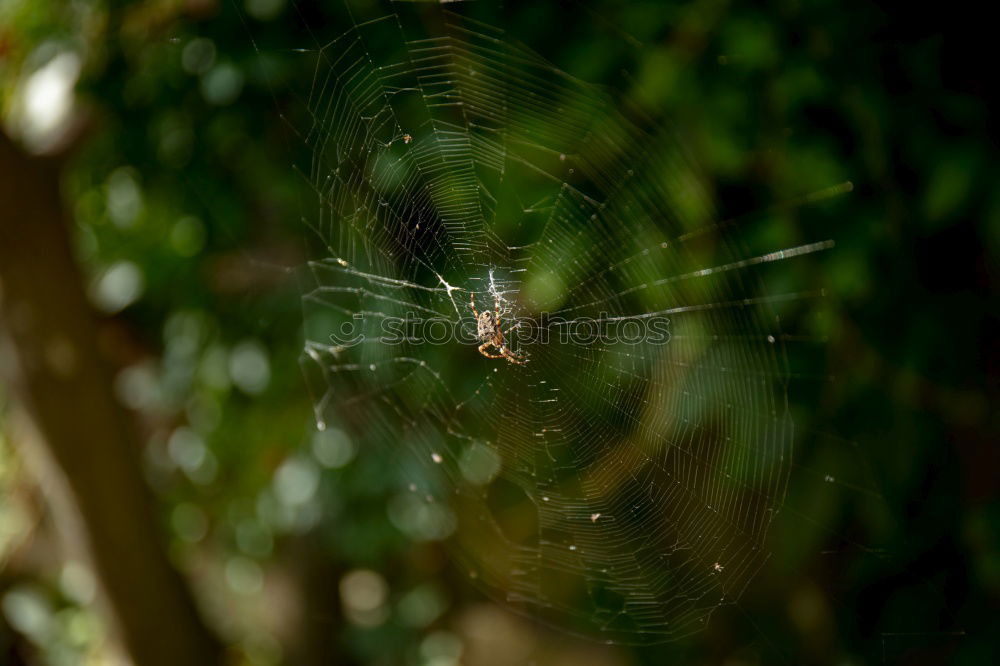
<point x="482" y="350"/>
<point x="472" y="304"/>
<point x="496" y="309"/>
<point x="511" y="356"/>
<point x="503" y="345"/>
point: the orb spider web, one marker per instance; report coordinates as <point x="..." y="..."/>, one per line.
<point x="613" y="487"/>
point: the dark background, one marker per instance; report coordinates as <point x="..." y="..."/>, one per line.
<point x="174" y="164"/>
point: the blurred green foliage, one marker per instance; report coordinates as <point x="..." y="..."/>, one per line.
<point x="188" y="220"/>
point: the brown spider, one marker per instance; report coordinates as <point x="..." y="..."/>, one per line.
<point x="490" y="334"/>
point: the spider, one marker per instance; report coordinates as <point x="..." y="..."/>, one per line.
<point x="488" y="332"/>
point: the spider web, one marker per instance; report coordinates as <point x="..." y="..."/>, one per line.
<point x="615" y="488"/>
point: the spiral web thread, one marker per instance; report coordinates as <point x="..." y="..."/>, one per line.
<point x="620" y="490"/>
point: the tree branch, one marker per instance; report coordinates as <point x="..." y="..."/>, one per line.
<point x="59" y="376"/>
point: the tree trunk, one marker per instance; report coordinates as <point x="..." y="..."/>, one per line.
<point x="89" y="447"/>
